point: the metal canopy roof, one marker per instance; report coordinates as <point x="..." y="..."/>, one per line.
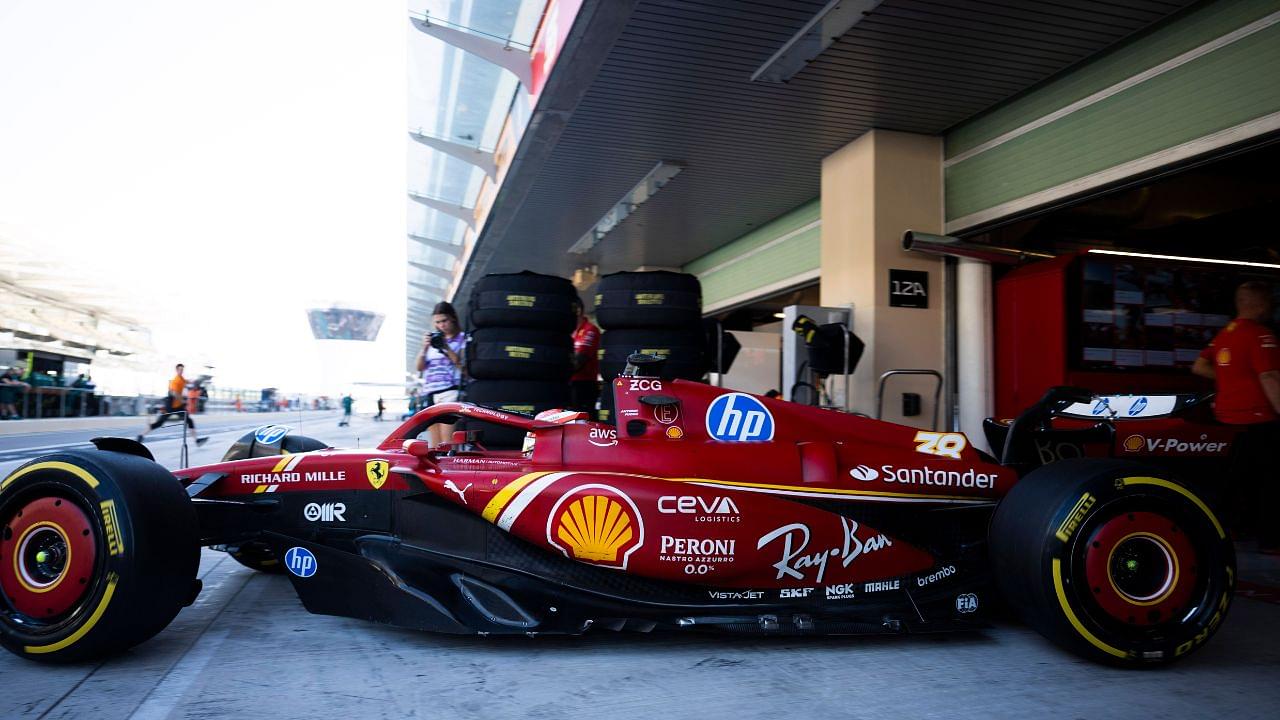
<point x="670" y="81"/>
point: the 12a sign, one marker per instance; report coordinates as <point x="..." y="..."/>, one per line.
<point x="908" y="288"/>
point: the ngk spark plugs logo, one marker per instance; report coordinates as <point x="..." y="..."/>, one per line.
<point x="596" y="524"/>
<point x="1174" y="446"/>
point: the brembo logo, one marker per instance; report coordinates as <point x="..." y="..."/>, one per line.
<point x="864" y="473"/>
<point x="325" y="512"/>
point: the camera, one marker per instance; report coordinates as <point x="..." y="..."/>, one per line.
<point x="437" y="340"/>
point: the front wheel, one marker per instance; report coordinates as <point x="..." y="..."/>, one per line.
<point x="1113" y="560"/>
<point x="98" y="552"/>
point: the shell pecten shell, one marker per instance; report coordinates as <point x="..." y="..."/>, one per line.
<point x="595" y="527"/>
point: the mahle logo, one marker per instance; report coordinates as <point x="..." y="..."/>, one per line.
<point x="864" y="473"/>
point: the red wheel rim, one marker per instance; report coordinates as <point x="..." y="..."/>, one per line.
<point x="1141" y="568"/>
<point x="47" y="555"/>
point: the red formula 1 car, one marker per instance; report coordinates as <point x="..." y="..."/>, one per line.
<point x="701" y="509"/>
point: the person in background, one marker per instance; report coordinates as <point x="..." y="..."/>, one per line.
<point x="381" y="407"/>
<point x="11" y="387"/>
<point x="173" y="404"/>
<point x="1243" y="360"/>
<point x="584" y="388"/>
<point x="440" y="362"/>
<point x="347" y="403"/>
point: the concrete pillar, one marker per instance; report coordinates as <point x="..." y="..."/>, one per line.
<point x="975" y="341"/>
<point x="874" y="189"/>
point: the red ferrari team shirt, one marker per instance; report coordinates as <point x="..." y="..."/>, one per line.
<point x="586" y="339"/>
<point x="1241" y="352"/>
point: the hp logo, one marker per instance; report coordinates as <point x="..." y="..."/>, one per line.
<point x="1138" y="406"/>
<point x="300" y="562"/>
<point x="739" y="417"/>
<point x="270" y="434"/>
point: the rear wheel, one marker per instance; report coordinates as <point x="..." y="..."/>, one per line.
<point x="1113" y="560"/>
<point x="256" y="556"/>
<point x="98" y="552"/>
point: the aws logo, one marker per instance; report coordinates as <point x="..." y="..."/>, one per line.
<point x="596" y="524"/>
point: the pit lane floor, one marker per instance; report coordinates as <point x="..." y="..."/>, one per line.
<point x="246" y="648"/>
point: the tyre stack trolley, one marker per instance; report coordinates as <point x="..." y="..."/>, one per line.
<point x="521" y="352"/>
<point x="655" y="313"/>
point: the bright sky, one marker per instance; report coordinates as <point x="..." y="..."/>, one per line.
<point x="230" y="163"/>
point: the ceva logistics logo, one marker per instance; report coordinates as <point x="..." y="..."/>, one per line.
<point x="739" y="417"/>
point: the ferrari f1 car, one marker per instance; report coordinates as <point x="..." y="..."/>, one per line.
<point x="700" y="509"/>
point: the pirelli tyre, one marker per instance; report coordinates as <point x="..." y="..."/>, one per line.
<point x="525" y="300"/>
<point x="684" y="350"/>
<point x="520" y="354"/>
<point x="270" y="441"/>
<point x="99" y="551"/>
<point x="648" y="300"/>
<point x="1113" y="560"/>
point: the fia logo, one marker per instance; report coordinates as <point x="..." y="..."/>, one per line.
<point x="739" y="417"/>
<point x="270" y="434"/>
<point x="1138" y="406"/>
<point x="300" y="562"/>
<point x="966" y="603"/>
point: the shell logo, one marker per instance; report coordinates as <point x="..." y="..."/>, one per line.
<point x="1134" y="443"/>
<point x="596" y="524"/>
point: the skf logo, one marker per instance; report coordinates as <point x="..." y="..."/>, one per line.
<point x="864" y="473"/>
<point x="115" y="540"/>
<point x="1134" y="443"/>
<point x="739" y="417"/>
<point x="596" y="524"/>
<point x="791" y="593"/>
<point x="940" y="444"/>
<point x="376" y="471"/>
<point x="325" y="512"/>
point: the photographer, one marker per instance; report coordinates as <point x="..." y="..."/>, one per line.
<point x="440" y="362"/>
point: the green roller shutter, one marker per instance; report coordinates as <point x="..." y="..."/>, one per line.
<point x="786" y="251"/>
<point x="1203" y="81"/>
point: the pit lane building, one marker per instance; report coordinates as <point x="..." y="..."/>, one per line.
<point x="780" y="150"/>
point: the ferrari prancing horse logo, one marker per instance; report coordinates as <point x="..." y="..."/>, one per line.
<point x="376" y="471"/>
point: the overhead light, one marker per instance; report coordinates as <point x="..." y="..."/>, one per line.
<point x="1180" y="258"/>
<point x="823" y="29"/>
<point x="652" y="182"/>
<point x="780" y="316"/>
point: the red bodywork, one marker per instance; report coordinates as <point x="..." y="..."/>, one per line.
<point x="659" y="496"/>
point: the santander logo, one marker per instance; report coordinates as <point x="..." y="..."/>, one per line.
<point x="864" y="473"/>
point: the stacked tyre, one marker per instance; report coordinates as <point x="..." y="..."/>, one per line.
<point x="520" y="355"/>
<point x="657" y="313"/>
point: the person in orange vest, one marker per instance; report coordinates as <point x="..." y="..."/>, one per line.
<point x="172" y="406"/>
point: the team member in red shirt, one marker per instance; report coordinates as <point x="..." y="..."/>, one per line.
<point x="583" y="387"/>
<point x="1244" y="362"/>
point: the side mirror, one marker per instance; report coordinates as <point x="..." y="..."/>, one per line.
<point x="421" y="449"/>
